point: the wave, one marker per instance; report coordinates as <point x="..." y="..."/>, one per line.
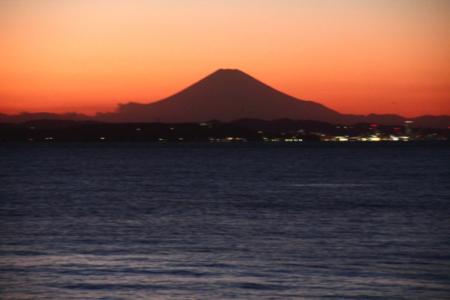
<point x="331" y="185"/>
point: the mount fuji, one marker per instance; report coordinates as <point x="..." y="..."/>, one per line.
<point x="225" y="95"/>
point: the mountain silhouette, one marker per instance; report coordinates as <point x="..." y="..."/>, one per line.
<point x="225" y="95"/>
<point x="228" y="95"/>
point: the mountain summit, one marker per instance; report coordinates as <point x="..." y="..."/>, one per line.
<point x="224" y="95"/>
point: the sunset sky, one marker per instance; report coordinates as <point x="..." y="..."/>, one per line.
<point x="353" y="56"/>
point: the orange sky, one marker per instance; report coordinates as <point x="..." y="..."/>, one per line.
<point x="354" y="56"/>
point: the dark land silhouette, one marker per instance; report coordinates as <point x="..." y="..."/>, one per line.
<point x="228" y="95"/>
<point x="213" y="131"/>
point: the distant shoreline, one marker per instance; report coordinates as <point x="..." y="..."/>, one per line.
<point x="245" y="130"/>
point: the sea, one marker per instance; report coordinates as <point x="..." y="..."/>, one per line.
<point x="324" y="220"/>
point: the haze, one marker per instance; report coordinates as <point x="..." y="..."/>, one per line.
<point x="356" y="57"/>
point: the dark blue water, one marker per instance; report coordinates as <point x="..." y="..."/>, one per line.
<point x="225" y="221"/>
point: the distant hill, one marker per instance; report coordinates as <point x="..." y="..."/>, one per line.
<point x="24" y="117"/>
<point x="227" y="95"/>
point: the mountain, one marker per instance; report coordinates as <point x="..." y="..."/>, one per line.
<point x="225" y="95"/>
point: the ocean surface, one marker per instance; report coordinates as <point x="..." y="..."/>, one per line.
<point x="225" y="221"/>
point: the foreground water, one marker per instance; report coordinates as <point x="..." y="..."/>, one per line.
<point x="224" y="221"/>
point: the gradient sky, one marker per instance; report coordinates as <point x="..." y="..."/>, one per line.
<point x="353" y="56"/>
